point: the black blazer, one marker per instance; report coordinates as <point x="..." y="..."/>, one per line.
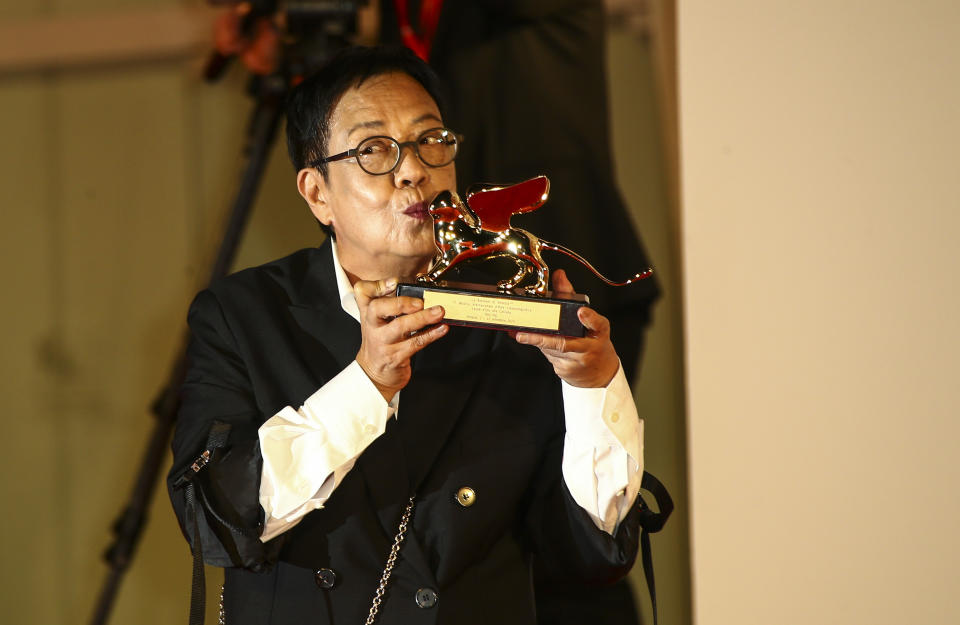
<point x="480" y="411"/>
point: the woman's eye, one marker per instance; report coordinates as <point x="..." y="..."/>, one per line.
<point x="373" y="147"/>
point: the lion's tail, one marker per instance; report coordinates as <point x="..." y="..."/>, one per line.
<point x="556" y="247"/>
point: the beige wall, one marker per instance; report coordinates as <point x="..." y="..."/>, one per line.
<point x="820" y="219"/>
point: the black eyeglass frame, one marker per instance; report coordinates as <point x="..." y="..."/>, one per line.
<point x="353" y="152"/>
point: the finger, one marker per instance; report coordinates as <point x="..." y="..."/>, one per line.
<point x="423" y="338"/>
<point x="550" y="342"/>
<point x="561" y="284"/>
<point x="387" y="308"/>
<point x="366" y="290"/>
<point x="594" y="321"/>
<point x="556" y="345"/>
<point x="374" y="288"/>
<point x="406" y="326"/>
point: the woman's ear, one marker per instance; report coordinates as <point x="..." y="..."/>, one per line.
<point x="313" y="189"/>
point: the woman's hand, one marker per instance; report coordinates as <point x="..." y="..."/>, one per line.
<point x="392" y="329"/>
<point x="590" y="362"/>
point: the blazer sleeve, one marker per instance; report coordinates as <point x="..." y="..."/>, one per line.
<point x="569" y="545"/>
<point x="217" y="390"/>
<point x="563" y="538"/>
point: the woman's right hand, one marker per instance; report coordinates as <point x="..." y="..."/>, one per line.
<point x="393" y="329"/>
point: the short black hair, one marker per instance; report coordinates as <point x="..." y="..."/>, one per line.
<point x="311" y="103"/>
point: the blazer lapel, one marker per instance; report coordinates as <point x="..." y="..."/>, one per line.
<point x="319" y="314"/>
<point x="338" y="334"/>
<point x="444" y="375"/>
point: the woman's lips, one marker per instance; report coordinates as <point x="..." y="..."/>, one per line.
<point x="417" y="211"/>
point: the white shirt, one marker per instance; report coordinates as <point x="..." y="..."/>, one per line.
<point x="307" y="452"/>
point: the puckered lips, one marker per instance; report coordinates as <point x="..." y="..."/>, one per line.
<point x="417" y="211"/>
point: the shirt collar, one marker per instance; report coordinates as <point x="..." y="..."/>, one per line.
<point x="347" y="299"/>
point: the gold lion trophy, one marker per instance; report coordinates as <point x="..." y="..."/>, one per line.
<point x="479" y="229"/>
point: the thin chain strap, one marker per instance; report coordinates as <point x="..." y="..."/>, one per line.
<point x="391" y="561"/>
<point x="384" y="579"/>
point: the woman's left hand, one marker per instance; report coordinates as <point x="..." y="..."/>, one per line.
<point x="588" y="362"/>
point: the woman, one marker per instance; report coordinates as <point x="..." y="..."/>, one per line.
<point x="466" y="450"/>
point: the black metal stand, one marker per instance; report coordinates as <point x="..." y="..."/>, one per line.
<point x="269" y="93"/>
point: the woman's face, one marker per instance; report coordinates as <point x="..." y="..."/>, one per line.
<point x="381" y="222"/>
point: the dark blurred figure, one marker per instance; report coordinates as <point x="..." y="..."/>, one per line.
<point x="529" y="92"/>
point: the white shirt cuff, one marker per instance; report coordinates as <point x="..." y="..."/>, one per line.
<point x="307" y="452"/>
<point x="603" y="450"/>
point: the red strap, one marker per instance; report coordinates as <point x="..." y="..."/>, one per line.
<point x="429" y="18"/>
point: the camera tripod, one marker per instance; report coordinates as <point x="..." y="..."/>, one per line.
<point x="313" y="32"/>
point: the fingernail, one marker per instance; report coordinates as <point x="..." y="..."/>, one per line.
<point x="436" y="311"/>
<point x="391" y="283"/>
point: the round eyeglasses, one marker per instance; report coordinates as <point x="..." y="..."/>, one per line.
<point x="380" y="155"/>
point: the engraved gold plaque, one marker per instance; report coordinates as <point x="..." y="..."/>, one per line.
<point x="498" y="310"/>
<point x="483" y="306"/>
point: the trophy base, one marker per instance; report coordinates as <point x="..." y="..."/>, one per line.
<point x="484" y="306"/>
